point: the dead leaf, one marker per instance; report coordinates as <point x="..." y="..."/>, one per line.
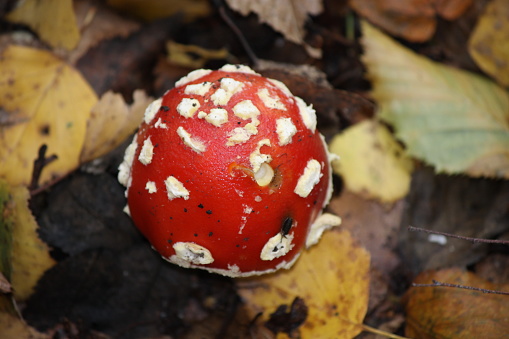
<point x="193" y="56"/>
<point x="453" y="119"/>
<point x="5" y="285"/>
<point x="371" y="162"/>
<point x="332" y="279"/>
<point x="285" y="16"/>
<point x="96" y="23"/>
<point x="53" y="20"/>
<point x="50" y="103"/>
<point x="149" y="10"/>
<point x="488" y="43"/>
<point x="414" y="20"/>
<point x="447" y="312"/>
<point x="13" y="327"/>
<point x="111" y="122"/>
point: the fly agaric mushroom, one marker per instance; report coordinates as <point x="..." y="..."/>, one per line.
<point x="228" y="173"/>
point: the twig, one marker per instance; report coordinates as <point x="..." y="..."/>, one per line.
<point x="474" y="240"/>
<point x="442" y="284"/>
<point x="249" y="51"/>
<point x="39" y="164"/>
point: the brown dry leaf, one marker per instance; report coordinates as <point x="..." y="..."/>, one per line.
<point x="447" y="312"/>
<point x="12" y="327"/>
<point x="414" y="20"/>
<point x="285" y="16"/>
<point x="48" y="102"/>
<point x="157" y="9"/>
<point x="111" y="122"/>
<point x="488" y="44"/>
<point x="332" y="279"/>
<point x="371" y="162"/>
<point x="53" y="20"/>
<point x="97" y="23"/>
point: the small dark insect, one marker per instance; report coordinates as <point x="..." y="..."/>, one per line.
<point x="286" y="226"/>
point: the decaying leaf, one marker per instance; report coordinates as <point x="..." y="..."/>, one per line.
<point x="14" y="327"/>
<point x="453" y="119"/>
<point x="371" y="162"/>
<point x="193" y="56"/>
<point x="488" y="43"/>
<point x="285" y="16"/>
<point x="53" y="20"/>
<point x="111" y="122"/>
<point x="157" y="9"/>
<point x="331" y="278"/>
<point x="448" y="312"/>
<point x="50" y="104"/>
<point x="414" y="20"/>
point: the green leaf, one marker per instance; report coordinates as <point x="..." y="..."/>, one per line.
<point x="455" y="120"/>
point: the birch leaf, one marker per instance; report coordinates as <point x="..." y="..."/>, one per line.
<point x="452" y="119"/>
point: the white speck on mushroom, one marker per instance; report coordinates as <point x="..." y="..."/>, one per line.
<point x="124" y="170"/>
<point x="234" y="269"/>
<point x="281" y="86"/>
<point x="239" y="192"/>
<point x="277" y="246"/>
<point x="151" y="187"/>
<point x="201" y="114"/>
<point x="307" y="113"/>
<point x="285" y="130"/>
<point x="192" y="253"/>
<point x="248" y="209"/>
<point x="160" y="124"/>
<point x="127" y="210"/>
<point x="256" y="158"/>
<point x="321" y="224"/>
<point x="194" y="144"/>
<point x="246" y="110"/>
<point x="217" y="116"/>
<point x="192" y="76"/>
<point x="152" y="110"/>
<point x="308" y="179"/>
<point x="258" y="198"/>
<point x="264" y="175"/>
<point x="175" y="189"/>
<point x="269" y="101"/>
<point x="238" y="136"/>
<point x="147" y="152"/>
<point x="187" y="107"/>
<point x="198" y="89"/>
<point x="237" y="69"/>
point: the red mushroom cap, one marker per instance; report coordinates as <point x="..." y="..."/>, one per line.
<point x="228" y="173"/>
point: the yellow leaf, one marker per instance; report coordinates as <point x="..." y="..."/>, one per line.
<point x="53" y="20"/>
<point x="333" y="280"/>
<point x="448" y="312"/>
<point x="30" y="256"/>
<point x="192" y="56"/>
<point x="157" y="9"/>
<point x="452" y="119"/>
<point x="488" y="44"/>
<point x="371" y="162"/>
<point x="111" y="122"/>
<point x="44" y="102"/>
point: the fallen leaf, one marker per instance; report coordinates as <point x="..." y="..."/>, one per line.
<point x="49" y="103"/>
<point x="111" y="122"/>
<point x="157" y="9"/>
<point x="332" y="279"/>
<point x="13" y="327"/>
<point x="455" y="120"/>
<point x="414" y="20"/>
<point x="53" y="20"/>
<point x="30" y="256"/>
<point x="193" y="56"/>
<point x="371" y="162"/>
<point x="285" y="16"/>
<point x="448" y="312"/>
<point x="96" y="23"/>
<point x="488" y="43"/>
